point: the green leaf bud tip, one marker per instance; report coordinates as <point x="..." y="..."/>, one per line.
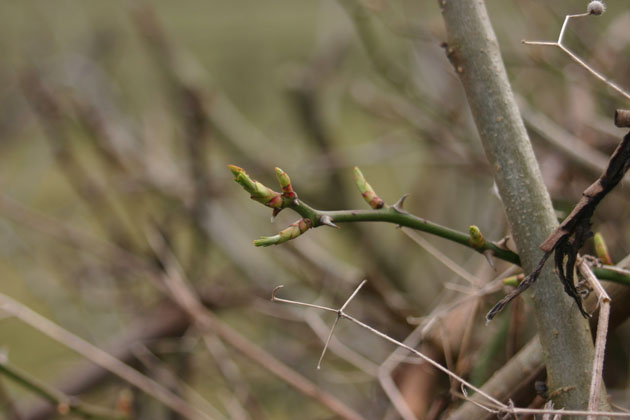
<point x="258" y="192"/>
<point x="366" y="190"/>
<point x="601" y="249"/>
<point x="293" y="231"/>
<point x="285" y="184"/>
<point x="235" y="169"/>
<point x="267" y="240"/>
<point x="477" y="240"/>
<point x="514" y="280"/>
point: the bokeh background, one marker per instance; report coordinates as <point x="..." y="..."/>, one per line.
<point x="118" y="120"/>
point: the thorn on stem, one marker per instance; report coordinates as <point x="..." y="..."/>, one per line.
<point x="275" y="212"/>
<point x="327" y="220"/>
<point x="400" y="203"/>
<point x="503" y="243"/>
<point x="489" y="257"/>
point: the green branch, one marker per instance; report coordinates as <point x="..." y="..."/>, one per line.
<point x="399" y="217"/>
<point x="312" y="218"/>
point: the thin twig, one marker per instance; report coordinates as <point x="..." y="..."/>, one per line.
<point x="573" y="148"/>
<point x="387" y="382"/>
<point x="339" y="312"/>
<point x="600" y="340"/>
<point x="576" y="58"/>
<point x="441" y="257"/>
<point x="341" y="350"/>
<point x="493" y="405"/>
<point x="344" y="315"/>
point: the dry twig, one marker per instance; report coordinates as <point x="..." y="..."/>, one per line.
<point x="575" y="57"/>
<point x="491" y="405"/>
<point x="600" y="339"/>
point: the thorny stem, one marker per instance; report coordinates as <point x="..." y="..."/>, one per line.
<point x="391" y="215"/>
<point x="397" y="215"/>
<point x="400" y="218"/>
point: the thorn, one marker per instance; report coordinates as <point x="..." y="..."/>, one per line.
<point x="330" y="335"/>
<point x="327" y="220"/>
<point x="296" y="201"/>
<point x="489" y="254"/>
<point x="503" y="243"/>
<point x="275" y="212"/>
<point x="399" y="204"/>
<point x="273" y="292"/>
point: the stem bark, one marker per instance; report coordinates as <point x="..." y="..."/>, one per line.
<point x="564" y="334"/>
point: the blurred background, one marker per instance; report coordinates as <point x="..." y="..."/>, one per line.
<point x="118" y="214"/>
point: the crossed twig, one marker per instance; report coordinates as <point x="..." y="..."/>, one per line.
<point x="574" y="56"/>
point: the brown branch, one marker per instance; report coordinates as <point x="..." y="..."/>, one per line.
<point x="622" y="118"/>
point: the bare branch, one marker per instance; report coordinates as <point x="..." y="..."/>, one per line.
<point x="492" y="404"/>
<point x="575" y="57"/>
<point x="600" y="339"/>
<point x="342" y="314"/>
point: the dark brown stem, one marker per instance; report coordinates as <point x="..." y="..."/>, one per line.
<point x="622" y="118"/>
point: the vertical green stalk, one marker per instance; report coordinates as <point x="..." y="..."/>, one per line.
<point x="564" y="334"/>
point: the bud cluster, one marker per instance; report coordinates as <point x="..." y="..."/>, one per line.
<point x="258" y="192"/>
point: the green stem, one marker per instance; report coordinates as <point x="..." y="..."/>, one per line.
<point x="390" y="214"/>
<point x="604" y="273"/>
